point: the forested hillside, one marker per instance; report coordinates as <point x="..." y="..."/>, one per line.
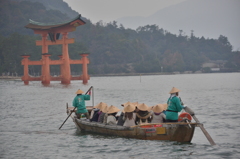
<point x="59" y="5"/>
<point x="112" y="48"/>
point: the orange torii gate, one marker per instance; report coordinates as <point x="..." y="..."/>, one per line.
<point x="53" y="31"/>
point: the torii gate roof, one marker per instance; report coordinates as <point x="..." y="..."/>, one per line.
<point x="49" y="26"/>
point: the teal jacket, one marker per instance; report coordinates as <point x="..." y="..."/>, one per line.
<point x="79" y="102"/>
<point x="174" y="105"/>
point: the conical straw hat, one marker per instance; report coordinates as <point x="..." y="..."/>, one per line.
<point x="129" y="108"/>
<point x="100" y="105"/>
<point x="158" y="108"/>
<point x="143" y="107"/>
<point x="165" y="105"/>
<point x="103" y="107"/>
<point x="79" y="91"/>
<point x="112" y="109"/>
<point x="174" y="90"/>
<point x="104" y="110"/>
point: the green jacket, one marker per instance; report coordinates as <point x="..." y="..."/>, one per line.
<point x="79" y="102"/>
<point x="174" y="105"/>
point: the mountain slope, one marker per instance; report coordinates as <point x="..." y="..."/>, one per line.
<point x="14" y="15"/>
<point x="56" y="5"/>
<point x="205" y="18"/>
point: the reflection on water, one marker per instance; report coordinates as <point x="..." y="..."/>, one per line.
<point x="31" y="115"/>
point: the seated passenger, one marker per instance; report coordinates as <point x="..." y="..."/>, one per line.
<point x="102" y="114"/>
<point x="143" y="114"/>
<point x="94" y="114"/>
<point x="120" y="120"/>
<point x="158" y="116"/>
<point x="129" y="115"/>
<point x="95" y="111"/>
<point x="121" y="117"/>
<point x="111" y="113"/>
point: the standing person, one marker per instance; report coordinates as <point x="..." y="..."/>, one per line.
<point x="158" y="116"/>
<point x="174" y="106"/>
<point x="79" y="102"/>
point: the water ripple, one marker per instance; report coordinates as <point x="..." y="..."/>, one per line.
<point x="31" y="115"/>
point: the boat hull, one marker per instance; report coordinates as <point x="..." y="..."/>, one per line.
<point x="180" y="132"/>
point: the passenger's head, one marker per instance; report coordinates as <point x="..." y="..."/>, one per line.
<point x="143" y="107"/>
<point x="112" y="110"/>
<point x="158" y="108"/>
<point x="100" y="106"/>
<point x="104" y="110"/>
<point x="128" y="110"/>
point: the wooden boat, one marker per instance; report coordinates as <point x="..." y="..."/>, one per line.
<point x="180" y="131"/>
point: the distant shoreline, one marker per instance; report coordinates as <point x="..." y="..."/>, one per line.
<point x="118" y="74"/>
<point x="98" y="75"/>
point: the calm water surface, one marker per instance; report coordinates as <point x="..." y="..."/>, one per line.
<point x="31" y="115"/>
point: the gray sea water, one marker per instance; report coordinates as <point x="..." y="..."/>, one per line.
<point x="31" y="115"/>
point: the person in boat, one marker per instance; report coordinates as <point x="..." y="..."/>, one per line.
<point x="96" y="111"/>
<point x="129" y="115"/>
<point x="174" y="106"/>
<point x="103" y="113"/>
<point x="93" y="113"/>
<point x="143" y="114"/>
<point x="158" y="116"/>
<point x="101" y="107"/>
<point x="79" y="103"/>
<point x="110" y="118"/>
<point x="120" y="120"/>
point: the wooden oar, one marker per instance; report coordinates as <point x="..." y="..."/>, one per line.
<point x="73" y="109"/>
<point x="188" y="110"/>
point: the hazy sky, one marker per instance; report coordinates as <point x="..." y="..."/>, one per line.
<point x="109" y="10"/>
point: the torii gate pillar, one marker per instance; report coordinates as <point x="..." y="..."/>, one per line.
<point x="25" y="62"/>
<point x="84" y="68"/>
<point x="46" y="77"/>
<point x="66" y="71"/>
